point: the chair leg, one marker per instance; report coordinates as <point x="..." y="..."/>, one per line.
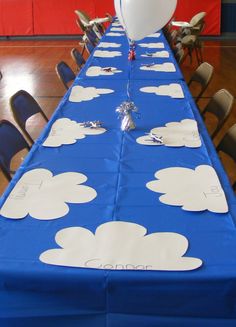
<point x="197" y="55"/>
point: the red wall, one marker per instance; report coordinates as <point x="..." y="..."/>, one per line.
<point x="48" y="17"/>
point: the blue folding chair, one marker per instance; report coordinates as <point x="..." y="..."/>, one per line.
<point x="65" y="74"/>
<point x="92" y="37"/>
<point x="11" y="143"/>
<point x="89" y="47"/>
<point x="24" y="106"/>
<point x="77" y="57"/>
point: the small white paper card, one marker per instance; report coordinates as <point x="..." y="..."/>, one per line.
<point x="175" y="134"/>
<point x="167" y="67"/>
<point x="159" y="45"/>
<point x="157" y="54"/>
<point x="172" y="90"/>
<point x="118" y="245"/>
<point x="109" y="45"/>
<point x="80" y="93"/>
<point x="107" y="54"/>
<point x="192" y="189"/>
<point x="43" y="196"/>
<point x="95" y="71"/>
<point x="66" y="131"/>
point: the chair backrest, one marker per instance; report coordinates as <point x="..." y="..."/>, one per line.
<point x="196" y="19"/>
<point x="180" y="55"/>
<point x="92" y="37"/>
<point x="15" y="143"/>
<point x="77" y="57"/>
<point x="202" y="75"/>
<point x="83" y="16"/>
<point x="220" y="106"/>
<point x="24" y="106"/>
<point x="228" y="145"/>
<point x="89" y="47"/>
<point x="65" y="74"/>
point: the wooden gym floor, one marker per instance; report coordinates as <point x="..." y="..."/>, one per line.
<point x="30" y="65"/>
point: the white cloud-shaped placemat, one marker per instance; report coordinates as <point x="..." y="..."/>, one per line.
<point x="157" y="54"/>
<point x="165" y="67"/>
<point x="115" y="34"/>
<point x="80" y="93"/>
<point x="109" y="45"/>
<point x="65" y="131"/>
<point x="176" y="134"/>
<point x="154" y="35"/>
<point x="159" y="45"/>
<point x="116" y="24"/>
<point x="44" y="196"/>
<point x="122" y="246"/>
<point x="100" y="71"/>
<point x="193" y="190"/>
<point x="173" y="90"/>
<point x="117" y="29"/>
<point x="107" y="54"/>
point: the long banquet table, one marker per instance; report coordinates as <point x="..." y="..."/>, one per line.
<point x="34" y="293"/>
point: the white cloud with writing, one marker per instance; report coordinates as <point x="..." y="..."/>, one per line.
<point x="109" y="45"/>
<point x="158" y="45"/>
<point x="118" y="245"/>
<point x="166" y="67"/>
<point x="107" y="54"/>
<point x="43" y="196"/>
<point x="100" y="71"/>
<point x="175" y="134"/>
<point x="173" y="90"/>
<point x="66" y="131"/>
<point x="80" y="93"/>
<point x="192" y="189"/>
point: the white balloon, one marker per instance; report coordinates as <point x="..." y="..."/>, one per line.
<point x="143" y="17"/>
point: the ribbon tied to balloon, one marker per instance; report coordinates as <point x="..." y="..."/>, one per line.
<point x="139" y="19"/>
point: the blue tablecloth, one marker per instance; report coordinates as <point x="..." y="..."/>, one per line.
<point x="36" y="294"/>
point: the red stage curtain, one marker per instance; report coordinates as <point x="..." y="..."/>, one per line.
<point x="16" y="17"/>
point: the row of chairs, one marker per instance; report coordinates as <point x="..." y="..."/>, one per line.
<point x="23" y="107"/>
<point x="186" y="40"/>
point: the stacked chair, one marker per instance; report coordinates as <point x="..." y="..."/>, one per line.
<point x="187" y="38"/>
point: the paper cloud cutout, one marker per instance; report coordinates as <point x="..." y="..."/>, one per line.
<point x="120" y="245"/>
<point x="172" y="90"/>
<point x="159" y="45"/>
<point x="154" y="35"/>
<point x="117" y="29"/>
<point x="166" y="67"/>
<point x="109" y="45"/>
<point x="115" y="34"/>
<point x="176" y="134"/>
<point x="99" y="71"/>
<point x="116" y="24"/>
<point x="44" y="196"/>
<point x="80" y="93"/>
<point x="158" y="54"/>
<point x="193" y="190"/>
<point x="66" y="131"/>
<point x="107" y="54"/>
